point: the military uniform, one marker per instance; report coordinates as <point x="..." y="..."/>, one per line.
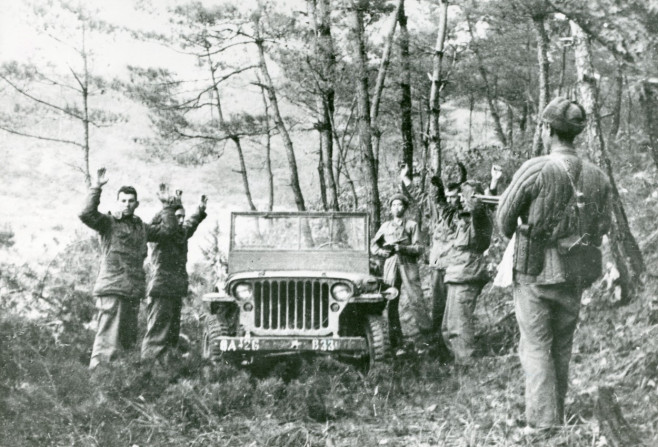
<point x="121" y="283"/>
<point x="547" y="301"/>
<point x="459" y="237"/>
<point x="167" y="287"/>
<point x="409" y="313"/>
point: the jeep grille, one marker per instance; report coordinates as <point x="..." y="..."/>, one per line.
<point x="298" y="305"/>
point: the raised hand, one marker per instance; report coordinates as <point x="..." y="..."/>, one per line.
<point x="496" y="172"/>
<point x="435" y="179"/>
<point x="163" y="193"/>
<point x="203" y="202"/>
<point x="166" y="198"/>
<point x="404" y="171"/>
<point x="462" y="172"/>
<point x="101" y="180"/>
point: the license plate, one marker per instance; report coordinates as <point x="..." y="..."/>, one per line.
<point x="273" y="344"/>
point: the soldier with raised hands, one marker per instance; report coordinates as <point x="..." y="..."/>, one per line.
<point x="169" y="282"/>
<point x="460" y="233"/>
<point x="121" y="282"/>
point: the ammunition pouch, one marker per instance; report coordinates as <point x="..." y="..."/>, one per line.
<point x="529" y="250"/>
<point x="582" y="262"/>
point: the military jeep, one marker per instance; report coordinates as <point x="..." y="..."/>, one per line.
<point x="298" y="282"/>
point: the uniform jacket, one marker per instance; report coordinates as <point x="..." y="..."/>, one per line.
<point x="459" y="238"/>
<point x="539" y="194"/>
<point x="123" y="247"/>
<point x="169" y="259"/>
<point x="407" y="235"/>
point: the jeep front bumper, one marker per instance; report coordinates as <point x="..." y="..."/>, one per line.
<point x="272" y="345"/>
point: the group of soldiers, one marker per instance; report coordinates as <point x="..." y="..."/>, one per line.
<point x="121" y="281"/>
<point x="556" y="210"/>
<point x="461" y="232"/>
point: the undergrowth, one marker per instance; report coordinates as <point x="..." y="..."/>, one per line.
<point x="50" y="398"/>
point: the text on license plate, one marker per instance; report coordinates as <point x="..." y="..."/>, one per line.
<point x="255" y="344"/>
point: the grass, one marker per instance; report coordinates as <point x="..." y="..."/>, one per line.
<point x="50" y="398"/>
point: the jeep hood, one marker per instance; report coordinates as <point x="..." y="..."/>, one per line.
<point x="359" y="280"/>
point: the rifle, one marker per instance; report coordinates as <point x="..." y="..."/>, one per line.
<point x="491" y="200"/>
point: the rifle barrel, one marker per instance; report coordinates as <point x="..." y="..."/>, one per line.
<point x="493" y="200"/>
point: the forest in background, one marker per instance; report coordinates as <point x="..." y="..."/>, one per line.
<point x="312" y="105"/>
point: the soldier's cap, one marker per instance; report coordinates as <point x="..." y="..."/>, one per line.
<point x="564" y="116"/>
<point x="401" y="197"/>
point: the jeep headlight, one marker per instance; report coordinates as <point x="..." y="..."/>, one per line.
<point x="243" y="291"/>
<point x="341" y="291"/>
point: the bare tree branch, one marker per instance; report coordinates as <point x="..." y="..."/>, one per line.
<point x="40" y="137"/>
<point x="41" y="101"/>
<point x="82" y="86"/>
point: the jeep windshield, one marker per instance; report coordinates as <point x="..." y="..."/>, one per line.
<point x="299" y="231"/>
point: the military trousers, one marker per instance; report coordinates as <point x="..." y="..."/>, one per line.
<point x="547" y="316"/>
<point x="409" y="314"/>
<point x="117" y="327"/>
<point x="458" y="328"/>
<point x="163" y="326"/>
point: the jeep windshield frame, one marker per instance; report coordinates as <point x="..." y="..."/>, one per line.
<point x="312" y="241"/>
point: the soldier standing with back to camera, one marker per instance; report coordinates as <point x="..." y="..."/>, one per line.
<point x="563" y="204"/>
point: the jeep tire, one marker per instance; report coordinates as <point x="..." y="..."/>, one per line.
<point x="212" y="329"/>
<point x="376" y="330"/>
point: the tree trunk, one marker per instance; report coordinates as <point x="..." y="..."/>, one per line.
<point x="234" y="138"/>
<point x="434" y="102"/>
<point x="381" y="79"/>
<point x="321" y="173"/>
<point x="243" y="171"/>
<point x="616" y="108"/>
<point x="471" y="106"/>
<point x="625" y="250"/>
<point x="348" y="177"/>
<point x="278" y="120"/>
<point x="489" y="94"/>
<point x="85" y="100"/>
<point x="523" y="120"/>
<point x="649" y="102"/>
<point x="363" y="111"/>
<point x="341" y="165"/>
<point x="320" y="11"/>
<point x="617" y="431"/>
<point x="544" y="94"/>
<point x="510" y="126"/>
<point x="268" y="150"/>
<point x="563" y="70"/>
<point x="406" y="122"/>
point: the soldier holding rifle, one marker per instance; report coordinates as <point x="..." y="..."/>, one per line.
<point x="398" y="241"/>
<point x="562" y="202"/>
